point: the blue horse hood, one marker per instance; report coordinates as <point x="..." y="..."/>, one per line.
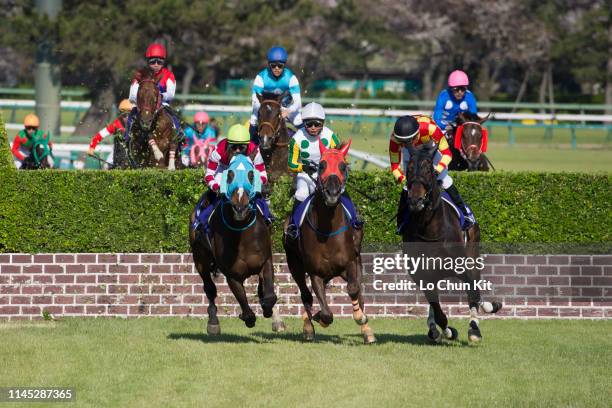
<point x="240" y="167"/>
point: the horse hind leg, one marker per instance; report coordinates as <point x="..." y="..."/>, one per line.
<point x="297" y="272"/>
<point x="204" y="269"/>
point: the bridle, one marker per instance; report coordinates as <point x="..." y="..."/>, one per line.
<point x="158" y="105"/>
<point x="275" y="129"/>
<point x="464" y="150"/>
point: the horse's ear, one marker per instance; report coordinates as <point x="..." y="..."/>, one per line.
<point x="346" y="147"/>
<point x="322" y="147"/>
<point x="483" y="120"/>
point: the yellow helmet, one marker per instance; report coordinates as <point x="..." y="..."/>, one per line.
<point x="31" y="120"/>
<point x="125" y="106"/>
<point x="238" y="134"/>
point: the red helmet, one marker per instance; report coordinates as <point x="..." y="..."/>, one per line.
<point x="156" y="50"/>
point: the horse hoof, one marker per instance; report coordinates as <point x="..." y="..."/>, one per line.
<point x="278" y="327"/>
<point x="317" y="318"/>
<point x="496" y="306"/>
<point x="434" y="334"/>
<point x="213" y="329"/>
<point x="368" y="337"/>
<point x="454" y="334"/>
<point x="309" y="336"/>
<point x="474" y="333"/>
<point x="249" y="321"/>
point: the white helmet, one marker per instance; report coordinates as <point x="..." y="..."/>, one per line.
<point x="313" y="111"/>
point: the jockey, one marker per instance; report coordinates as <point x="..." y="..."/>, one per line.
<point x="24" y="140"/>
<point x="457" y="98"/>
<point x="276" y="79"/>
<point x="200" y="131"/>
<point x="238" y="142"/>
<point x="304" y="158"/>
<point x="115" y="127"/>
<point x="417" y="130"/>
<point x="156" y="59"/>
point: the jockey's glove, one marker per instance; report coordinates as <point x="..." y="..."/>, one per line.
<point x="311" y="168"/>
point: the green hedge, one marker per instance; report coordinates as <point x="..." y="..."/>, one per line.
<point x="6" y="157"/>
<point x="147" y="211"/>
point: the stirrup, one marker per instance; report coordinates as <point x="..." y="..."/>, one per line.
<point x="291" y="232"/>
<point x="468" y="221"/>
<point x="358" y="223"/>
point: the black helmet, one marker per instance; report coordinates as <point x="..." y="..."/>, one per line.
<point x="405" y="128"/>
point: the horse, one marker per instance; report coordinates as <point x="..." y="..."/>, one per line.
<point x="434" y="232"/>
<point x="469" y="143"/>
<point x="272" y="131"/>
<point x="199" y="152"/>
<point x="152" y="140"/>
<point x="39" y="157"/>
<point x="328" y="246"/>
<point x="239" y="246"/>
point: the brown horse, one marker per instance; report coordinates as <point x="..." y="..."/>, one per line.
<point x="469" y="143"/>
<point x="240" y="246"/>
<point x="152" y="139"/>
<point x="434" y="232"/>
<point x="328" y="247"/>
<point x="273" y="135"/>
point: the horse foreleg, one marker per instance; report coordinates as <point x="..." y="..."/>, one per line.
<point x="265" y="289"/>
<point x="247" y="315"/>
<point x="324" y="316"/>
<point x="476" y="304"/>
<point x="353" y="278"/>
<point x="172" y="156"/>
<point x="159" y="156"/>
<point x="437" y="317"/>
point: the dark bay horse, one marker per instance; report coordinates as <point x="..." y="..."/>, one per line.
<point x="152" y="139"/>
<point x="328" y="246"/>
<point x="240" y="246"/>
<point x="469" y="143"/>
<point x="434" y="233"/>
<point x="274" y="138"/>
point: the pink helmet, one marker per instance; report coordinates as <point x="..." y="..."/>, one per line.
<point x="201" y="117"/>
<point x="458" y="78"/>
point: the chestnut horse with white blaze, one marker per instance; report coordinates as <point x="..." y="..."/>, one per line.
<point x="328" y="246"/>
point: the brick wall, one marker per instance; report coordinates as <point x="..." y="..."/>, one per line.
<point x="127" y="285"/>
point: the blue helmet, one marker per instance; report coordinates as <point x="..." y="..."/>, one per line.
<point x="277" y="54"/>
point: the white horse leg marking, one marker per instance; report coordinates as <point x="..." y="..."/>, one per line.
<point x="156" y="152"/>
<point x="171" y="161"/>
<point x="486" y="307"/>
<point x="474" y="315"/>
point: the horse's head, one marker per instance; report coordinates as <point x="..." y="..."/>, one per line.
<point x="333" y="172"/>
<point x="148" y="99"/>
<point x="270" y="119"/>
<point x="471" y="138"/>
<point x="421" y="178"/>
<point x="239" y="183"/>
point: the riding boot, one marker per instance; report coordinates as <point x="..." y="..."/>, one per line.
<point x="292" y="229"/>
<point x="402" y="210"/>
<point x="456" y="197"/>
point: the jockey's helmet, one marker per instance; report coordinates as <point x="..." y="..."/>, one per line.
<point x="31" y="120"/>
<point x="201" y="117"/>
<point x="313" y="111"/>
<point x="458" y="78"/>
<point x="238" y="134"/>
<point x="125" y="106"/>
<point x="277" y="54"/>
<point x="405" y="129"/>
<point x="156" y="50"/>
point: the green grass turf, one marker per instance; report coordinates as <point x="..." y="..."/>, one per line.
<point x="171" y="362"/>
